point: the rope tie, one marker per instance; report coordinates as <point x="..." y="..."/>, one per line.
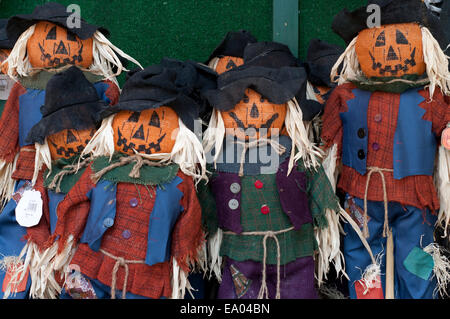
<point x="120" y="261"/>
<point x="135" y="171"/>
<point x="263" y="291"/>
<point x="68" y="169"/>
<point x="380" y="171"/>
<point x="280" y="149"/>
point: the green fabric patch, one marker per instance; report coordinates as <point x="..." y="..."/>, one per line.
<point x="149" y="175"/>
<point x="68" y="180"/>
<point x="419" y="263"/>
<point x="39" y="80"/>
<point x="391" y="87"/>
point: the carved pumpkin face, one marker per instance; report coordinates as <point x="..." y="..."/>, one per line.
<point x="4" y="53"/>
<point x="227" y="63"/>
<point x="51" y="46"/>
<point x="254" y="117"/>
<point x="68" y="143"/>
<point x="392" y="50"/>
<point x="148" y="132"/>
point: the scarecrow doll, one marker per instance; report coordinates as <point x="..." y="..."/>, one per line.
<point x="44" y="45"/>
<point x="131" y="225"/>
<point x="381" y="128"/>
<point x="261" y="241"/>
<point x="69" y="120"/>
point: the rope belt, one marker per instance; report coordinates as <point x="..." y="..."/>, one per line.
<point x="380" y="171"/>
<point x="124" y="263"/>
<point x="280" y="149"/>
<point x="267" y="234"/>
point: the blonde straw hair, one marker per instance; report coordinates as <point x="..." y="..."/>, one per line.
<point x="187" y="151"/>
<point x="103" y="53"/>
<point x="302" y="147"/>
<point x="435" y="60"/>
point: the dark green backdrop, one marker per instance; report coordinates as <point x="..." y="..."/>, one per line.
<point x="190" y="29"/>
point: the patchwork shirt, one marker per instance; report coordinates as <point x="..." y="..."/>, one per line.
<point x="267" y="202"/>
<point x="382" y="118"/>
<point x="128" y="220"/>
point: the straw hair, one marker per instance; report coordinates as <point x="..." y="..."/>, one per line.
<point x="104" y="58"/>
<point x="213" y="63"/>
<point x="435" y="60"/>
<point x="42" y="157"/>
<point x="302" y="147"/>
<point x="187" y="151"/>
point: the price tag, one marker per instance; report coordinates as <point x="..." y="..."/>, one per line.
<point x="6" y="84"/>
<point x="29" y="208"/>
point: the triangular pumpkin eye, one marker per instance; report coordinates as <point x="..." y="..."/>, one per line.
<point x="400" y="37"/>
<point x="381" y="40"/>
<point x="71" y="137"/>
<point x="51" y="35"/>
<point x="230" y="64"/>
<point x="154" y="120"/>
<point x="134" y="117"/>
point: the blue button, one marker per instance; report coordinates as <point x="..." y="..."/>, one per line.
<point x="108" y="222"/>
<point x="133" y="202"/>
<point x="126" y="234"/>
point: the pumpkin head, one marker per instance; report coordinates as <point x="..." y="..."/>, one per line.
<point x="392" y="50"/>
<point x="148" y="132"/>
<point x="227" y="63"/>
<point x="52" y="46"/>
<point x="252" y="114"/>
<point x="68" y="143"/>
<point x="4" y="53"/>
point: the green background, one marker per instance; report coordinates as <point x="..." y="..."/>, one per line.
<point x="190" y="29"/>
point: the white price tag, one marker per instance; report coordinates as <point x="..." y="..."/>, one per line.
<point x="29" y="209"/>
<point x="6" y="84"/>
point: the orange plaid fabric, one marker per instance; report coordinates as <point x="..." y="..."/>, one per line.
<point x="418" y="191"/>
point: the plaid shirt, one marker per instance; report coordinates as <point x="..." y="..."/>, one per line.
<point x="150" y="281"/>
<point x="419" y="190"/>
<point x="9" y="131"/>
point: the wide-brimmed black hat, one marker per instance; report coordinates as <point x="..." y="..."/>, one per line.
<point x="278" y="85"/>
<point x="348" y="24"/>
<point x="53" y="12"/>
<point x="269" y="54"/>
<point x="173" y="83"/>
<point x="5" y="43"/>
<point x="233" y="44"/>
<point x="320" y="59"/>
<point x="71" y="102"/>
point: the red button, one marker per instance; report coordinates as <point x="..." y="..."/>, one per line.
<point x="265" y="209"/>
<point x="259" y="184"/>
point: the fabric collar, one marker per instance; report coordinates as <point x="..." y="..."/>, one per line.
<point x="39" y="80"/>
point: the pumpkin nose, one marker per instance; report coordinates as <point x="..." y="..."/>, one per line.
<point x="254" y="111"/>
<point x="61" y="48"/>
<point x="391" y="54"/>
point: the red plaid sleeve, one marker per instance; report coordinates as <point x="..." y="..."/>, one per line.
<point x="332" y="124"/>
<point x="9" y="125"/>
<point x="40" y="234"/>
<point x="437" y="110"/>
<point x="187" y="235"/>
<point x="73" y="210"/>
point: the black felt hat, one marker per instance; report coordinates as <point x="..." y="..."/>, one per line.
<point x="269" y="54"/>
<point x="5" y="43"/>
<point x="53" y="12"/>
<point x="348" y="24"/>
<point x="233" y="44"/>
<point x="320" y="59"/>
<point x="173" y="83"/>
<point x="71" y="102"/>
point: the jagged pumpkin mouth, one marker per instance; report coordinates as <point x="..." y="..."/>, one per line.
<point x="150" y="148"/>
<point x="393" y="69"/>
<point x="59" y="61"/>
<point x="251" y="129"/>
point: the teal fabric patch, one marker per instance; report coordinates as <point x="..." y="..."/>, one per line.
<point x="419" y="263"/>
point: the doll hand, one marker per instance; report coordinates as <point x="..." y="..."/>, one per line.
<point x="445" y="138"/>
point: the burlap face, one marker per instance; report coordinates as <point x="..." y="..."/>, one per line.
<point x="254" y="117"/>
<point x="52" y="46"/>
<point x="148" y="132"/>
<point x="393" y="50"/>
<point x="68" y="143"/>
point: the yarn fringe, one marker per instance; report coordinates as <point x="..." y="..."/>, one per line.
<point x="180" y="282"/>
<point x="442" y="182"/>
<point x="7" y="184"/>
<point x="330" y="166"/>
<point x="441" y="269"/>
<point x="214" y="258"/>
